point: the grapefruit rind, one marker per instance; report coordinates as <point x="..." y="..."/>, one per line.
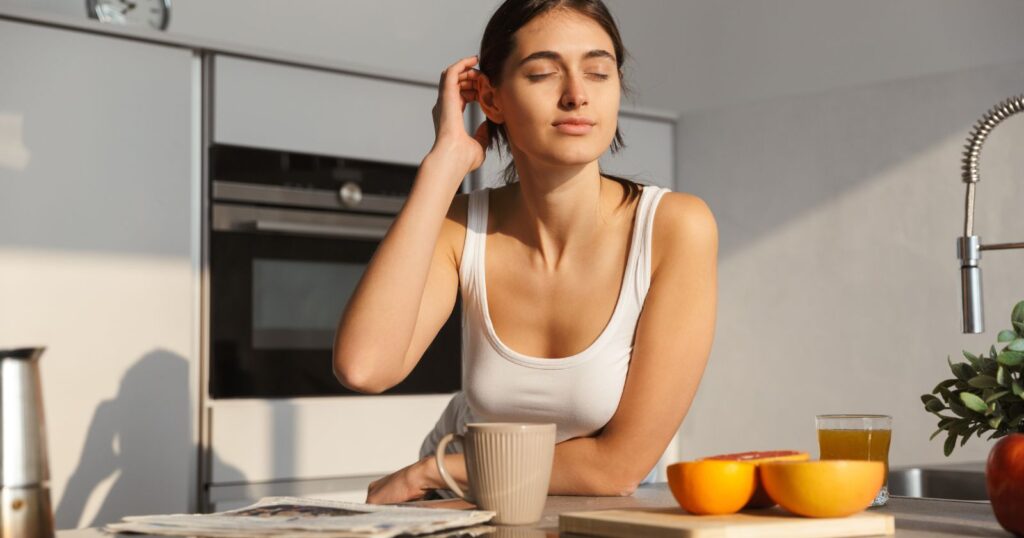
<point x="832" y="488"/>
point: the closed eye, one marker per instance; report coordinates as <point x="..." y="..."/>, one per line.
<point x="599" y="76"/>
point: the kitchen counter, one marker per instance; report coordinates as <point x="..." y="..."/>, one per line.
<point x="914" y="517"/>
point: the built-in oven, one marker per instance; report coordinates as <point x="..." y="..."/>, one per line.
<point x="291" y="235"/>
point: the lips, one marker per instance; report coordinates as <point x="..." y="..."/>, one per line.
<point x="573" y="121"/>
<point x="574" y="126"/>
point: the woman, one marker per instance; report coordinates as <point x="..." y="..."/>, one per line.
<point x="590" y="309"/>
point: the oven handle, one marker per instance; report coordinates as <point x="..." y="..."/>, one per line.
<point x="330" y="230"/>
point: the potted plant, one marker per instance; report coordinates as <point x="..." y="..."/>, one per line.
<point x="986" y="395"/>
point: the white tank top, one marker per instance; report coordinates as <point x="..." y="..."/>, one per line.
<point x="579" y="393"/>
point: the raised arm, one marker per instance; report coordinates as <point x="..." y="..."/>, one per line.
<point x="411" y="283"/>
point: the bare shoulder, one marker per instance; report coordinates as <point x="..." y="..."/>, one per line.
<point x="453" y="231"/>
<point x="683" y="227"/>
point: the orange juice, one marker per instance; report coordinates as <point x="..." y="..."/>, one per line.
<point x="855" y="445"/>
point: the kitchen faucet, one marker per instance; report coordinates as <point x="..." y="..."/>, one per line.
<point x="969" y="246"/>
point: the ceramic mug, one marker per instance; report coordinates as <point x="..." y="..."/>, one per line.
<point x="509" y="468"/>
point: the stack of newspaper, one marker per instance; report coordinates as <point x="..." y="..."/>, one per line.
<point x="284" y="517"/>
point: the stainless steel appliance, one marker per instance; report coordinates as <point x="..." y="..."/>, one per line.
<point x="25" y="509"/>
<point x="291" y="236"/>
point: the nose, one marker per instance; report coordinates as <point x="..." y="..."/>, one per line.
<point x="574" y="95"/>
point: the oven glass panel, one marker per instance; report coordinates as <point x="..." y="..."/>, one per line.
<point x="297" y="304"/>
<point x="275" y="301"/>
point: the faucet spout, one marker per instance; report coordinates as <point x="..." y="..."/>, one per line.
<point x="969" y="246"/>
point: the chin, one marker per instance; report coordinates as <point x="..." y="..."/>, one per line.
<point x="575" y="152"/>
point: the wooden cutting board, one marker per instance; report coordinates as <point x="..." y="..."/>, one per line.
<point x="674" y="522"/>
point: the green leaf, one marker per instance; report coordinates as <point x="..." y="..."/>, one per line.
<point x="1019" y="327"/>
<point x="1009" y="358"/>
<point x="994" y="422"/>
<point x="1017" y="316"/>
<point x="936" y="433"/>
<point x="1017" y="389"/>
<point x="965" y="438"/>
<point x="983" y="382"/>
<point x="958" y="409"/>
<point x="960" y="427"/>
<point x="973" y="359"/>
<point x="988" y="366"/>
<point x="973" y="402"/>
<point x="1006" y="335"/>
<point x="1016" y="345"/>
<point x="950" y="444"/>
<point x="1003" y="376"/>
<point x="963" y="371"/>
<point x="994" y="396"/>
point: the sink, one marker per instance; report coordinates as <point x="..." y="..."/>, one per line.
<point x="962" y="484"/>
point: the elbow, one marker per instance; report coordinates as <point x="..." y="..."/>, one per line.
<point x="358" y="379"/>
<point x="612" y="485"/>
<point x="622" y="488"/>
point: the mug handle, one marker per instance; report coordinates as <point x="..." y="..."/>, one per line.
<point x="445" y="475"/>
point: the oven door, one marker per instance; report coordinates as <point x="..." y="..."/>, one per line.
<point x="279" y="281"/>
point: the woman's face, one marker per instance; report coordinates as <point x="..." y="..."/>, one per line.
<point x="559" y="95"/>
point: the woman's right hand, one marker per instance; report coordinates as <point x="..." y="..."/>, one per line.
<point x="457" y="88"/>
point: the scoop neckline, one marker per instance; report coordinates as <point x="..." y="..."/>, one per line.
<point x="606" y="331"/>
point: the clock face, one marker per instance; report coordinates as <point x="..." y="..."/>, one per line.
<point x="152" y="13"/>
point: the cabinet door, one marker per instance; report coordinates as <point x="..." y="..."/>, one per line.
<point x="266" y="105"/>
<point x="99" y="247"/>
<point x="649" y="155"/>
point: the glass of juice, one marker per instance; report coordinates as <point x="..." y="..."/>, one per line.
<point x="857" y="437"/>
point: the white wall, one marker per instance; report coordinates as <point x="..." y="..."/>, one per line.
<point x="839" y="282"/>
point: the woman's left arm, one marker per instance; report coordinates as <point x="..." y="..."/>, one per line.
<point x="670" y="350"/>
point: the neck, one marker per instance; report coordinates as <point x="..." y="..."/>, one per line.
<point x="559" y="210"/>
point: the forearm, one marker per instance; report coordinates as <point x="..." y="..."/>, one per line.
<point x="582" y="466"/>
<point x="378" y="322"/>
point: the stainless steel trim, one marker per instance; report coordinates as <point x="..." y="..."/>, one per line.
<point x="205" y="127"/>
<point x="351" y="232"/>
<point x="232" y="218"/>
<point x="244" y="192"/>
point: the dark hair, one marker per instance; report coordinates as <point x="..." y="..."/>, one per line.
<point x="497" y="44"/>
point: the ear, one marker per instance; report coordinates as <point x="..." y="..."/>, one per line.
<point x="489" y="100"/>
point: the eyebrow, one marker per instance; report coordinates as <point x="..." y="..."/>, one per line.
<point x="552" y="55"/>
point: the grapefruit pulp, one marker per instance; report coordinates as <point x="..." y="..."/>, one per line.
<point x="760" y="498"/>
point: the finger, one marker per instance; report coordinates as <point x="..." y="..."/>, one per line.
<point x="468" y="75"/>
<point x="458" y="68"/>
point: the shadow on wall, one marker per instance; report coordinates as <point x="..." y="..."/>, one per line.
<point x="129" y="436"/>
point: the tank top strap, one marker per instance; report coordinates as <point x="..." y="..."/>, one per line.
<point x="476" y="233"/>
<point x="649" y="198"/>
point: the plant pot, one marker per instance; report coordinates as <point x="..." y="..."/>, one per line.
<point x="1004" y="476"/>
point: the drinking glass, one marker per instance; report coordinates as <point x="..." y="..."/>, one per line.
<point x="857" y="437"/>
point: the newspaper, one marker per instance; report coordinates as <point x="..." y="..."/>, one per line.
<point x="295" y="517"/>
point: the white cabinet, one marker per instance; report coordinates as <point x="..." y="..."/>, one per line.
<point x="261" y="104"/>
<point x="99" y="246"/>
